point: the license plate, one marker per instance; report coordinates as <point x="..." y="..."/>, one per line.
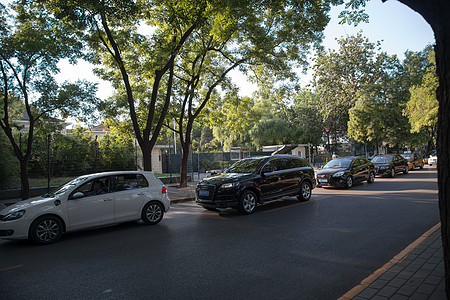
<point x="203" y="193"/>
<point x="323" y="180"/>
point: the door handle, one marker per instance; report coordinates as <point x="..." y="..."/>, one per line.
<point x="109" y="199"/>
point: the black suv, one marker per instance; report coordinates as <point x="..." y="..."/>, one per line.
<point x="257" y="180"/>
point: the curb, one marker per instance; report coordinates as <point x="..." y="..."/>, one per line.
<point x="396" y="259"/>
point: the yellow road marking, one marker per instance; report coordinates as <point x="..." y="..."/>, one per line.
<point x="11" y="268"/>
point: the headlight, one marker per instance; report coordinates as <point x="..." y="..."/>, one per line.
<point x="229" y="185"/>
<point x="339" y="174"/>
<point x="14" y="215"/>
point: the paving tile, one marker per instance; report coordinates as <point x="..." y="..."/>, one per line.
<point x="426" y="288"/>
<point x="429" y="266"/>
<point x="438" y="296"/>
<point x="407" y="290"/>
<point x="419" y="296"/>
<point x="398" y="297"/>
<point x="368" y="293"/>
<point x="396" y="282"/>
<point x="388" y="275"/>
<point x="379" y="283"/>
<point x="405" y="274"/>
<point x="435" y="280"/>
<point x="387" y="291"/>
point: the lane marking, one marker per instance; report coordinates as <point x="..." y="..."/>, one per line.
<point x="11" y="268"/>
<point x="396" y="259"/>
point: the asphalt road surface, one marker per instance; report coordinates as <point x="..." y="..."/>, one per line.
<point x="318" y="249"/>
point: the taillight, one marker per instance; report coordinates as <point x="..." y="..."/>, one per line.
<point x="164" y="190"/>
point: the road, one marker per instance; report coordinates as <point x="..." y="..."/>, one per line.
<point x="318" y="249"/>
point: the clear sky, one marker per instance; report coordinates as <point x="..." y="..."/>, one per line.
<point x="396" y="25"/>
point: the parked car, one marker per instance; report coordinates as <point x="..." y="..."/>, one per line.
<point x="390" y="164"/>
<point x="345" y="172"/>
<point x="414" y="161"/>
<point x="84" y="202"/>
<point x="257" y="180"/>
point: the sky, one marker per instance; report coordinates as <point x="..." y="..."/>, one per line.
<point x="397" y="27"/>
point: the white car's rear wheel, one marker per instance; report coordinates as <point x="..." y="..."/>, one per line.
<point x="152" y="213"/>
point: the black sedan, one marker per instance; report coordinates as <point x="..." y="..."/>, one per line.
<point x="390" y="164"/>
<point x="345" y="171"/>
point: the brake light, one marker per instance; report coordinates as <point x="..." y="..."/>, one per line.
<point x="164" y="190"/>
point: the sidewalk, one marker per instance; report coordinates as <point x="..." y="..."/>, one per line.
<point x="415" y="273"/>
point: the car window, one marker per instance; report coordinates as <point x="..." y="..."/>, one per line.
<point x="248" y="165"/>
<point x="130" y="182"/>
<point x="95" y="187"/>
<point x="382" y="159"/>
<point x="270" y="166"/>
<point x="338" y="163"/>
<point x="299" y="163"/>
<point x="356" y="163"/>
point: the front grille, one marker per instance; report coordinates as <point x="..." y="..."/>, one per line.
<point x="205" y="192"/>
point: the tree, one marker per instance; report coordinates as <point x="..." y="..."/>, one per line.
<point x="268" y="36"/>
<point x="422" y="108"/>
<point x="340" y="75"/>
<point x="30" y="49"/>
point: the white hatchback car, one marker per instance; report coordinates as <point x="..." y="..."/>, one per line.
<point x="87" y="201"/>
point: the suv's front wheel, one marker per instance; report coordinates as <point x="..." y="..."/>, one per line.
<point x="247" y="203"/>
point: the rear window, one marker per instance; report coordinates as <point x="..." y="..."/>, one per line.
<point x="130" y="182"/>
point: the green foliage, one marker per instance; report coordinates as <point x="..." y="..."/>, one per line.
<point x="422" y="108"/>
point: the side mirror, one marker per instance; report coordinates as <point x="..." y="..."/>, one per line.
<point x="77" y="195"/>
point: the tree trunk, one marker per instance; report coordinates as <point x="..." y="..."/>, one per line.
<point x="184" y="163"/>
<point x="24" y="183"/>
<point x="146" y="156"/>
<point x="442" y="49"/>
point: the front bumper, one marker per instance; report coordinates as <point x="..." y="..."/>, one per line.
<point x="14" y="230"/>
<point x="210" y="196"/>
<point x="382" y="172"/>
<point x="324" y="180"/>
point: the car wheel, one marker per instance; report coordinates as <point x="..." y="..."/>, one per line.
<point x="248" y="202"/>
<point x="46" y="230"/>
<point x="392" y="174"/>
<point x="414" y="166"/>
<point x="152" y="213"/>
<point x="349" y="182"/>
<point x="371" y="178"/>
<point x="421" y="166"/>
<point x="406" y="171"/>
<point x="305" y="191"/>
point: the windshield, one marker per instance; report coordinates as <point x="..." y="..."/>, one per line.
<point x="382" y="159"/>
<point x="338" y="163"/>
<point x="66" y="186"/>
<point x="409" y="157"/>
<point x="248" y="165"/>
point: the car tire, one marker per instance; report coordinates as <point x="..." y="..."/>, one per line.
<point x="392" y="173"/>
<point x="305" y="191"/>
<point x="247" y="203"/>
<point x="349" y="182"/>
<point x="152" y="213"/>
<point x="46" y="230"/>
<point x="406" y="171"/>
<point x="421" y="166"/>
<point x="371" y="178"/>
